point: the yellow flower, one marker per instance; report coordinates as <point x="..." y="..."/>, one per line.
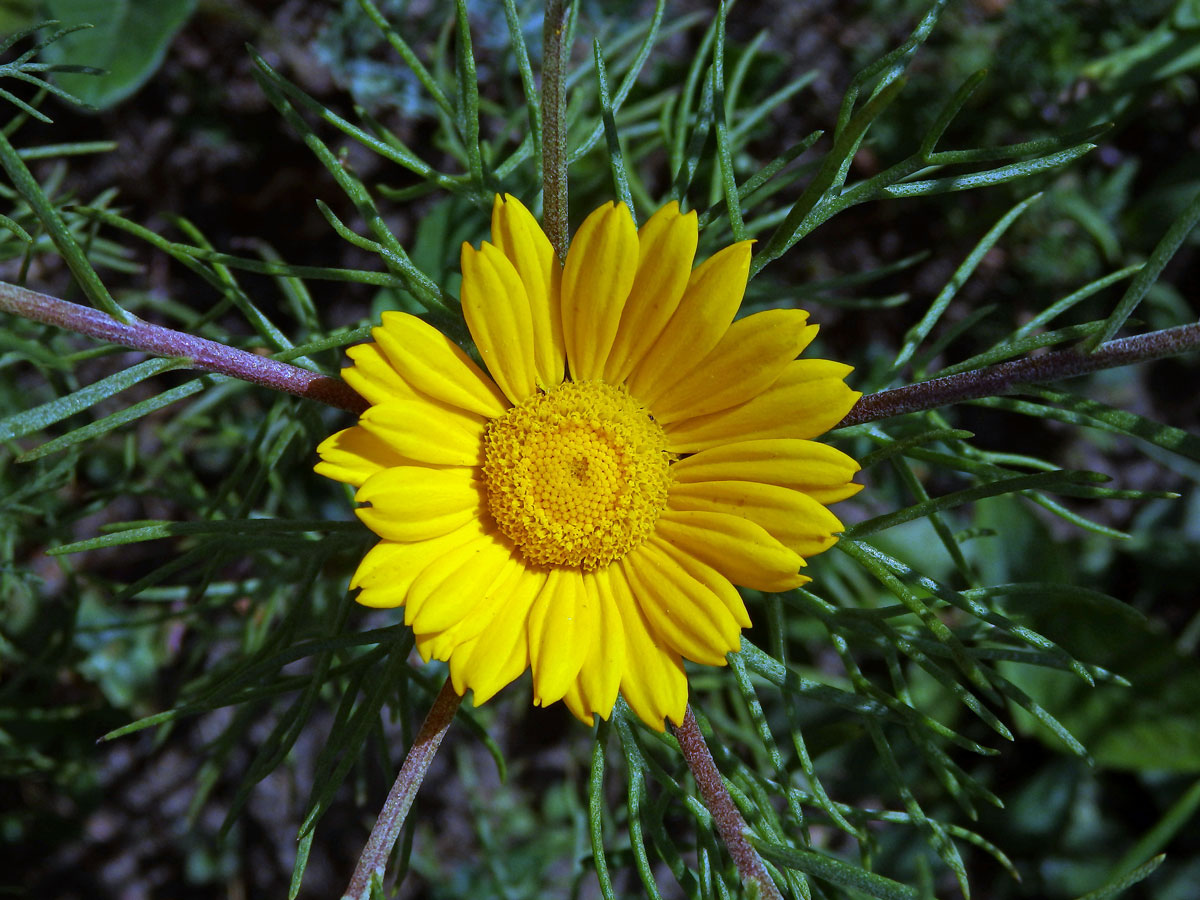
<point x="587" y="509"/>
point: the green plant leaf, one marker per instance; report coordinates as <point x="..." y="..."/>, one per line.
<point x="1150" y="725"/>
<point x="128" y="39"/>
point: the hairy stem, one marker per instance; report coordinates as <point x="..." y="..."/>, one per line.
<point x="373" y="862"/>
<point x="210" y="356"/>
<point x="728" y="819"/>
<point x="554" y="126"/>
<point x="206" y="355"/>
<point x="1009" y="377"/>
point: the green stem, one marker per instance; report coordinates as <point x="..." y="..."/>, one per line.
<point x="206" y="355"/>
<point x="730" y="824"/>
<point x="373" y="862"/>
<point x="1009" y="377"/>
<point x="554" y="126"/>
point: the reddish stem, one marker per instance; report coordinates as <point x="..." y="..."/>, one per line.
<point x="1008" y="377"/>
<point x="373" y="862"/>
<point x="730" y="824"/>
<point x="203" y="354"/>
<point x="554" y="125"/>
<point x="211" y="356"/>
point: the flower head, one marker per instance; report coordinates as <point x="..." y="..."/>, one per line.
<point x="586" y="509"/>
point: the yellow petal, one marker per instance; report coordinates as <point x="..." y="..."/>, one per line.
<point x="710" y="578"/>
<point x="436" y="366"/>
<point x="453" y="585"/>
<point x="497" y="312"/>
<point x="597" y="276"/>
<point x="793" y="518"/>
<point x="653" y="683"/>
<point x="737" y="548"/>
<point x="560" y="629"/>
<point x="389" y="568"/>
<point x="747" y="360"/>
<point x="808" y="399"/>
<point x="428" y="431"/>
<point x="373" y="376"/>
<point x="415" y="503"/>
<point x="595" y="690"/>
<point x="496" y="657"/>
<point x="580" y="708"/>
<point x="817" y="469"/>
<point x="666" y="250"/>
<point x="494" y="600"/>
<point x="709" y="303"/>
<point x="353" y="455"/>
<point x="519" y="237"/>
<point x="682" y="611"/>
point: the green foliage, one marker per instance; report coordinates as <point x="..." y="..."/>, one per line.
<point x="975" y="606"/>
<point x="127" y="40"/>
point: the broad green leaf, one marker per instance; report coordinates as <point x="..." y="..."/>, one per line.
<point x="128" y="38"/>
<point x="1150" y="725"/>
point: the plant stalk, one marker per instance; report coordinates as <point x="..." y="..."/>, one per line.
<point x="210" y="356"/>
<point x="554" y="126"/>
<point x="203" y="354"/>
<point x="1010" y="377"/>
<point x="730" y="824"/>
<point x="373" y="861"/>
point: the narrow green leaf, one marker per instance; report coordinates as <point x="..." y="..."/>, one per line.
<point x="1019" y="347"/>
<point x="15" y="228"/>
<point x="1076" y="410"/>
<point x="1063" y="481"/>
<point x="921" y="330"/>
<point x="40" y="417"/>
<point x="528" y="85"/>
<point x="636" y="766"/>
<point x="685" y="113"/>
<point x="1001" y="175"/>
<point x="596" y="808"/>
<point x="616" y="159"/>
<point x="1181" y="813"/>
<point x="627" y="82"/>
<point x="949" y="112"/>
<point x="467" y="81"/>
<point x="117" y="419"/>
<point x="802" y="217"/>
<point x="721" y="126"/>
<point x="1120" y="885"/>
<point x="410" y="58"/>
<point x="216" y="526"/>
<point x="77" y="148"/>
<point x="828" y="868"/>
<point x="766" y="666"/>
<point x="33" y="194"/>
<point x="1147" y="275"/>
<point x="1027" y="703"/>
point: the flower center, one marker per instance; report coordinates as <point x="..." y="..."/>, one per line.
<point x="576" y="476"/>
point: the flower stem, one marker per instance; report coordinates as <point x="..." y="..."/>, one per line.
<point x="202" y="354"/>
<point x="729" y="821"/>
<point x="373" y="862"/>
<point x="554" y="126"/>
<point x="1009" y="377"/>
<point x="211" y="356"/>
